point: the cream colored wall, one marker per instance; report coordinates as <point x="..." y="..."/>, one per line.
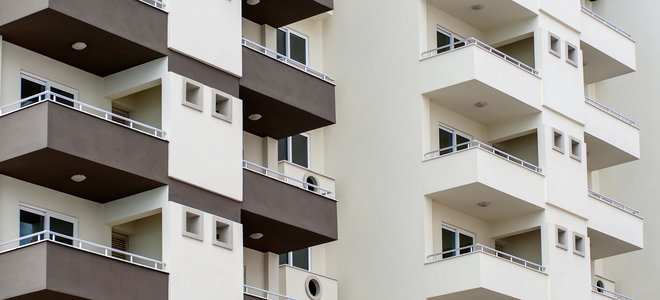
<point x="437" y="17"/>
<point x="135" y="79"/>
<point x="143" y="106"/>
<point x="525" y="245"/>
<point x="566" y="11"/>
<point x="253" y="31"/>
<point x="524" y="147"/>
<point x="147" y="239"/>
<point x="207" y="30"/>
<point x="255" y="268"/>
<point x="253" y="148"/>
<point x="441" y="115"/>
<point x="292" y="284"/>
<point x="313" y="30"/>
<point x="522" y="50"/>
<point x="454" y="218"/>
<point x="203" y="150"/>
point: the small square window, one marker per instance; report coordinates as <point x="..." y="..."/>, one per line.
<point x="578" y="244"/>
<point x="562" y="237"/>
<point x="222" y="106"/>
<point x="222" y="233"/>
<point x="192" y="95"/>
<point x="193" y="221"/>
<point x="555" y="45"/>
<point x="576" y="149"/>
<point x="571" y="54"/>
<point x="557" y="140"/>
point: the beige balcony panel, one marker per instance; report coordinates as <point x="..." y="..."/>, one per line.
<point x="301" y="173"/>
<point x="494" y="13"/>
<point x="460" y="78"/>
<point x="482" y="276"/>
<point x="462" y="179"/>
<point x="612" y="230"/>
<point x="610" y="141"/>
<point x="293" y="281"/>
<point x="606" y="52"/>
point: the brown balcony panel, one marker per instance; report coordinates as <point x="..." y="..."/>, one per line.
<point x="48" y="143"/>
<point x="289" y="217"/>
<point x="51" y="271"/>
<point x="289" y="100"/>
<point x="120" y="34"/>
<point x="278" y="13"/>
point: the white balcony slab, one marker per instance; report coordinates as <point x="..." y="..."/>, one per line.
<point x="612" y="229"/>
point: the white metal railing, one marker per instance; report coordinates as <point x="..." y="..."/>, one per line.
<point x="287" y="60"/>
<point x="614" y="203"/>
<point x="479" y="248"/>
<point x="610" y="112"/>
<point x="160" y="4"/>
<point x="611" y="294"/>
<point x="82" y="107"/>
<point x="607" y="23"/>
<point x="285" y="178"/>
<point x="472" y="41"/>
<point x="83" y="245"/>
<point x="248" y="288"/>
<point x="477" y="144"/>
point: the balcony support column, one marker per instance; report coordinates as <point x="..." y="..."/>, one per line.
<point x="272" y="262"/>
<point x="270" y="153"/>
<point x="269" y="36"/>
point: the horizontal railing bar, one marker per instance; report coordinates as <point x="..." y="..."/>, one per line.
<point x="477" y="144"/>
<point x="601" y="290"/>
<point x="610" y="111"/>
<point x="267" y="292"/>
<point x="247" y="164"/>
<point x="486" y="250"/>
<point x="613" y="202"/>
<point x="287" y="60"/>
<point x="608" y="23"/>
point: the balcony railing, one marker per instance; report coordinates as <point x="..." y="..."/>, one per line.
<point x="486" y="250"/>
<point x="477" y="144"/>
<point x="269" y="294"/>
<point x="83" y="245"/>
<point x="82" y="107"/>
<point x="287" y="60"/>
<point x="607" y="23"/>
<point x="610" y="111"/>
<point x="160" y="4"/>
<point x="608" y="293"/>
<point x="286" y="179"/>
<point x="614" y="203"/>
<point x="472" y="41"/>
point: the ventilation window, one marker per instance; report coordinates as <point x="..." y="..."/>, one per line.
<point x="578" y="244"/>
<point x="192" y="95"/>
<point x="313" y="287"/>
<point x="558" y="140"/>
<point x="222" y="106"/>
<point x="222" y="232"/>
<point x="576" y="149"/>
<point x="312" y="183"/>
<point x="600" y="286"/>
<point x="562" y="240"/>
<point x="555" y="45"/>
<point x="119" y="242"/>
<point x="571" y="54"/>
<point x="192" y="223"/>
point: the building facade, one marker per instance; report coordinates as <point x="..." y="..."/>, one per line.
<point x="200" y="150"/>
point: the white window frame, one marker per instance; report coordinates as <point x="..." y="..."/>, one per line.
<point x="47" y="214"/>
<point x="287" y="43"/>
<point x="48" y="84"/>
<point x="454" y="134"/>
<point x="458" y="231"/>
<point x="289" y="259"/>
<point x="452" y="36"/>
<point x="289" y="151"/>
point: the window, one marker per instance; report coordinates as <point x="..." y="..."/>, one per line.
<point x="447" y="40"/>
<point x="455" y="239"/>
<point x="557" y="140"/>
<point x="119" y="242"/>
<point x="578" y="244"/>
<point x="222" y="106"/>
<point x="298" y="258"/>
<point x="451" y="140"/>
<point x="120" y="113"/>
<point x="313" y="287"/>
<point x="571" y="54"/>
<point x="222" y="233"/>
<point x="193" y="221"/>
<point x="562" y="239"/>
<point x="600" y="286"/>
<point x="33" y="220"/>
<point x="192" y="95"/>
<point x="32" y="85"/>
<point x="294" y="149"/>
<point x="555" y="45"/>
<point x="292" y="44"/>
<point x="576" y="149"/>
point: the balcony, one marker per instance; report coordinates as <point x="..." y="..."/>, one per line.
<point x="481" y="173"/>
<point x="255" y="293"/>
<point x="119" y="34"/>
<point x="295" y="282"/>
<point x="281" y="13"/>
<point x="492" y="14"/>
<point x="611" y="138"/>
<point x="480" y="272"/>
<point x="48" y="138"/>
<point x="55" y="266"/>
<point x="598" y="293"/>
<point x="608" y="51"/>
<point x="613" y="227"/>
<point x="290" y="97"/>
<point x="290" y="213"/>
<point x="473" y="72"/>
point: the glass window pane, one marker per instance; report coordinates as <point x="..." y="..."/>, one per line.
<point x="30" y="88"/>
<point x="63" y="93"/>
<point x="301" y="259"/>
<point x="298" y="48"/>
<point x="448" y="242"/>
<point x="461" y="140"/>
<point x="299" y="150"/>
<point x="464" y="241"/>
<point x="443" y="40"/>
<point x="284" y="258"/>
<point x="30" y="223"/>
<point x="458" y="43"/>
<point x="282" y="153"/>
<point x="63" y="227"/>
<point x="446" y="140"/>
<point x="281" y="42"/>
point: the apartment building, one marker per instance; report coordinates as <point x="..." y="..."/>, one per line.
<point x="164" y="150"/>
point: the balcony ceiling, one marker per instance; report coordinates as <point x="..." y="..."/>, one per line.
<point x="599" y="66"/>
<point x="278" y="13"/>
<point x="603" y="245"/>
<point x="601" y="154"/>
<point x="478" y="293"/>
<point x="493" y="14"/>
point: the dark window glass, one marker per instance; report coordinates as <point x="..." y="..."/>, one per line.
<point x="301" y="259"/>
<point x="448" y="242"/>
<point x="461" y="142"/>
<point x="298" y="48"/>
<point x="464" y="241"/>
<point x="62" y="93"/>
<point x="30" y="223"/>
<point x="30" y="88"/>
<point x="281" y="42"/>
<point x="282" y="151"/>
<point x="443" y="40"/>
<point x="284" y="258"/>
<point x="446" y="140"/>
<point x="299" y="150"/>
<point x="63" y="227"/>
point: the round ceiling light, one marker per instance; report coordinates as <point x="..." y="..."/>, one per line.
<point x="254" y="117"/>
<point x="481" y="104"/>
<point x="483" y="203"/>
<point x="78" y="178"/>
<point x="78" y="46"/>
<point x="256" y="235"/>
<point x="477" y="6"/>
<point x="252" y="2"/>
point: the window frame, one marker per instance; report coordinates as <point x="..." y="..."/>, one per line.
<point x="452" y="37"/>
<point x="458" y="231"/>
<point x="289" y="151"/>
<point x="454" y="134"/>
<point x="287" y="43"/>
<point x="48" y="86"/>
<point x="47" y="214"/>
<point x="289" y="259"/>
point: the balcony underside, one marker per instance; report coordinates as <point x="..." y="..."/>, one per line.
<point x="120" y="34"/>
<point x="601" y="154"/>
<point x="599" y="66"/>
<point x="278" y="13"/>
<point x="604" y="245"/>
<point x="613" y="231"/>
<point x="494" y="13"/>
<point x="50" y="271"/>
<point x="609" y="140"/>
<point x="478" y="293"/>
<point x="289" y="217"/>
<point x="48" y="143"/>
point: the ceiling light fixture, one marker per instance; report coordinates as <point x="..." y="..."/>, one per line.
<point x="483" y="203"/>
<point x="481" y="104"/>
<point x="78" y="46"/>
<point x="78" y="178"/>
<point x="252" y="2"/>
<point x="477" y="6"/>
<point x="256" y="235"/>
<point x="254" y="117"/>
